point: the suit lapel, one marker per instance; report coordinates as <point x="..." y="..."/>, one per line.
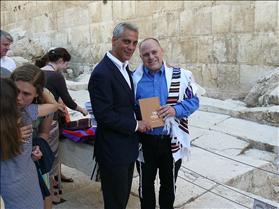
<point x="117" y="74"/>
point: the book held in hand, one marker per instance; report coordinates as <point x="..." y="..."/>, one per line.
<point x="148" y="109"/>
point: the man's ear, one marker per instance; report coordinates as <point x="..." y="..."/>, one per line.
<point x="113" y="40"/>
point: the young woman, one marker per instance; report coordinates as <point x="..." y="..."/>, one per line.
<point x="19" y="180"/>
<point x="53" y="64"/>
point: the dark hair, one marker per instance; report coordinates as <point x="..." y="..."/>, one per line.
<point x="10" y="133"/>
<point x="33" y="75"/>
<point x="53" y="56"/>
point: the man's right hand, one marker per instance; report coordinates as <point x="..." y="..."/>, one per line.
<point x="143" y="126"/>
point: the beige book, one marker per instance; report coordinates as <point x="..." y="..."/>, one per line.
<point x="148" y="109"/>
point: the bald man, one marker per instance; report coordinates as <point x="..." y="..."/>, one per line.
<point x="163" y="149"/>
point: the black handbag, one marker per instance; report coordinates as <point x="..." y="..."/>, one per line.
<point x="46" y="161"/>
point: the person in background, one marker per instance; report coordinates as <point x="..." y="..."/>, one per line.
<point x="163" y="148"/>
<point x="53" y="64"/>
<point x="5" y="42"/>
<point x="113" y="104"/>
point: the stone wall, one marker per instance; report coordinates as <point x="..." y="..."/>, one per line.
<point x="228" y="45"/>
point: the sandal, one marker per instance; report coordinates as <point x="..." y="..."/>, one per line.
<point x="64" y="179"/>
<point x="61" y="200"/>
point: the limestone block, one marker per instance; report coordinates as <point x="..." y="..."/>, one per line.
<point x="73" y="17"/>
<point x="106" y="13"/>
<point x="60" y="38"/>
<point x="260" y="93"/>
<point x="225" y="48"/>
<point x="145" y="27"/>
<point x="209" y="75"/>
<point x="184" y="51"/>
<point x="95" y="11"/>
<point x="28" y="48"/>
<point x="205" y="49"/>
<point x="243" y="17"/>
<point x="116" y="10"/>
<point x="173" y="5"/>
<point x="265" y="15"/>
<point x="167" y="45"/>
<point x="202" y="21"/>
<point x="197" y="70"/>
<point x="44" y="39"/>
<point x="42" y="23"/>
<point x="7" y="17"/>
<point x="270" y="45"/>
<point x="40" y="8"/>
<point x="250" y="49"/>
<point x="79" y="36"/>
<point x="159" y="26"/>
<point x="195" y="5"/>
<point x="186" y="22"/>
<point x="81" y="16"/>
<point x="250" y="74"/>
<point x="221" y="19"/>
<point x="123" y="10"/>
<point x="168" y="27"/>
<point x="101" y="32"/>
<point x="228" y="77"/>
<point x="144" y="8"/>
<point x="173" y="24"/>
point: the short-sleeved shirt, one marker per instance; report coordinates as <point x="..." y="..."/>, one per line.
<point x="19" y="184"/>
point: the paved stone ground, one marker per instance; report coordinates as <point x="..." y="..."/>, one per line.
<point x="218" y="133"/>
<point x="240" y="139"/>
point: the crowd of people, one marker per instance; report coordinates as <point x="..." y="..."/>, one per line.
<point x="35" y="96"/>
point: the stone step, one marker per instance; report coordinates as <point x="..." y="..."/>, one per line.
<point x="238" y="109"/>
<point x="263" y="137"/>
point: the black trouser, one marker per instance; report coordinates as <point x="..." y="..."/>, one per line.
<point x="116" y="184"/>
<point x="157" y="155"/>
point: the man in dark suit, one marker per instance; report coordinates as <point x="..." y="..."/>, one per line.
<point x="113" y="104"/>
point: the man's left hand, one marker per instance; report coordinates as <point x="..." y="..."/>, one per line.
<point x="166" y="111"/>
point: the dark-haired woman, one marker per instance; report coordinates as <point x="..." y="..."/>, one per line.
<point x="53" y="64"/>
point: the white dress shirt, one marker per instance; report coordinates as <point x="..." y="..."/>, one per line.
<point x="121" y="66"/>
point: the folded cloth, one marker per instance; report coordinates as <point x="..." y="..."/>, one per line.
<point x="80" y="135"/>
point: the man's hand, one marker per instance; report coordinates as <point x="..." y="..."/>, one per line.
<point x="143" y="126"/>
<point x="36" y="153"/>
<point x="166" y="111"/>
<point x="26" y="132"/>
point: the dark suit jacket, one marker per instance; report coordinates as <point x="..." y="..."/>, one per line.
<point x="113" y="104"/>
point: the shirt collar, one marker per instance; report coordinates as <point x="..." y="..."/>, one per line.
<point x="120" y="65"/>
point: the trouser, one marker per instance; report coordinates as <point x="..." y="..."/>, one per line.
<point x="116" y="184"/>
<point x="157" y="156"/>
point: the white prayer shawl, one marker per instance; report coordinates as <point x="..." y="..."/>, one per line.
<point x="180" y="139"/>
